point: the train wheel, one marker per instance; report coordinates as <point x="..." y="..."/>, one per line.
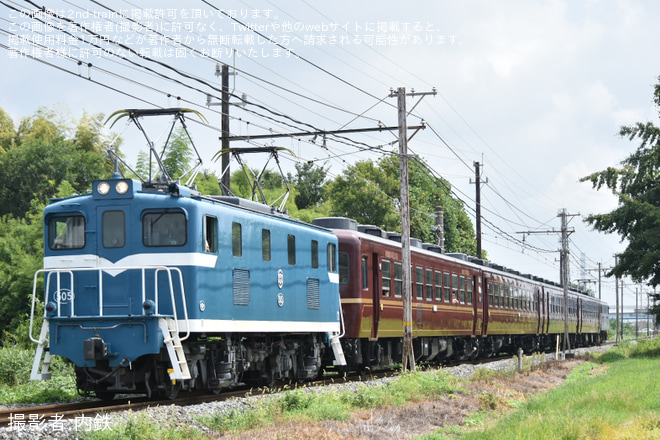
<point x="172" y="389"/>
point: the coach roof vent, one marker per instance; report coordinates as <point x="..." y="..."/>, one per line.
<point x="416" y="242"/>
<point x="371" y="230"/>
<point x="394" y="236"/>
<point x="336" y="223"/>
<point x="432" y="247"/>
<point x="478" y="261"/>
<point x="458" y="256"/>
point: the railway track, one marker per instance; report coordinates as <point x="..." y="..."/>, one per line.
<point x="93" y="413"/>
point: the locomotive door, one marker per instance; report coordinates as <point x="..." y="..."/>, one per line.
<point x="376" y="292"/>
<point x="113" y="246"/>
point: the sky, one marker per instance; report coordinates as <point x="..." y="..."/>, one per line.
<point x="533" y="90"/>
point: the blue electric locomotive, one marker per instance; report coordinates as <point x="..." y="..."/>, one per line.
<point x="150" y="288"/>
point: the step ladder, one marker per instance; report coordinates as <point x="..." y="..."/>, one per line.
<point x="43" y="351"/>
<point x="171" y="340"/>
<point x="336" y="348"/>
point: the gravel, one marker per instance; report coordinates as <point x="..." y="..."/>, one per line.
<point x="178" y="415"/>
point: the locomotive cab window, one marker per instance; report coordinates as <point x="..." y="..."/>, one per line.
<point x="114" y="229"/>
<point x="210" y="234"/>
<point x="164" y="228"/>
<point x="66" y="232"/>
<point x="332" y="257"/>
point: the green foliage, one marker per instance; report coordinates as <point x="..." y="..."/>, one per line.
<point x="7" y="131"/>
<point x="366" y="190"/>
<point x="309" y="181"/>
<point x="636" y="183"/>
<point x="178" y="154"/>
<point x="141" y="427"/>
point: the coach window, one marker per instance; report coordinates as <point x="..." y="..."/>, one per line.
<point x="164" y="228"/>
<point x="454" y="288"/>
<point x="343" y="268"/>
<point x="497" y="295"/>
<point x="438" y="286"/>
<point x="429" y="285"/>
<point x="315" y="254"/>
<point x="291" y="249"/>
<point x="265" y="244"/>
<point x="491" y="296"/>
<point x="398" y="279"/>
<point x="66" y="232"/>
<point x="365" y="273"/>
<point x="386" y="276"/>
<point x="469" y="290"/>
<point x="447" y="287"/>
<point x="114" y="229"/>
<point x="236" y="239"/>
<point x="419" y="279"/>
<point x="210" y="234"/>
<point x="507" y="296"/>
<point x="462" y="289"/>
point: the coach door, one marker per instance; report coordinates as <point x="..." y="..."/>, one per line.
<point x="113" y="246"/>
<point x="486" y="303"/>
<point x="375" y="292"/>
<point x="480" y="310"/>
<point x="539" y="311"/>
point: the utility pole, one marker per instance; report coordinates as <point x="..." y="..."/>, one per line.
<point x="440" y="227"/>
<point x="408" y="356"/>
<point x="225" y="178"/>
<point x="564" y="275"/>
<point x="616" y="294"/>
<point x="477" y="182"/>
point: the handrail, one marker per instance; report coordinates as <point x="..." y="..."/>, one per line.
<point x="70" y="271"/>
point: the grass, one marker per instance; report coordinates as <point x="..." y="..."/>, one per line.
<point x="305" y="405"/>
<point x="615" y="396"/>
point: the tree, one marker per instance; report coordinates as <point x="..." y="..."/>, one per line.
<point x="636" y="183"/>
<point x="366" y="192"/>
<point x="178" y="154"/>
<point x="309" y="181"/>
<point x="7" y="131"/>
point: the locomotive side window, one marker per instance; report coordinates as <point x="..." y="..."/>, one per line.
<point x="429" y="285"/>
<point x="343" y="268"/>
<point x="332" y="256"/>
<point x="315" y="254"/>
<point x="291" y="249"/>
<point x="398" y="280"/>
<point x="365" y="273"/>
<point x="236" y="239"/>
<point x="386" y="275"/>
<point x="66" y="232"/>
<point x="210" y="234"/>
<point x="114" y="229"/>
<point x="164" y="228"/>
<point x="265" y="244"/>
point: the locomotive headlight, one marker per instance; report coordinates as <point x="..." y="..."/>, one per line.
<point x="51" y="308"/>
<point x="103" y="188"/>
<point x="121" y="187"/>
<point x="149" y="307"/>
